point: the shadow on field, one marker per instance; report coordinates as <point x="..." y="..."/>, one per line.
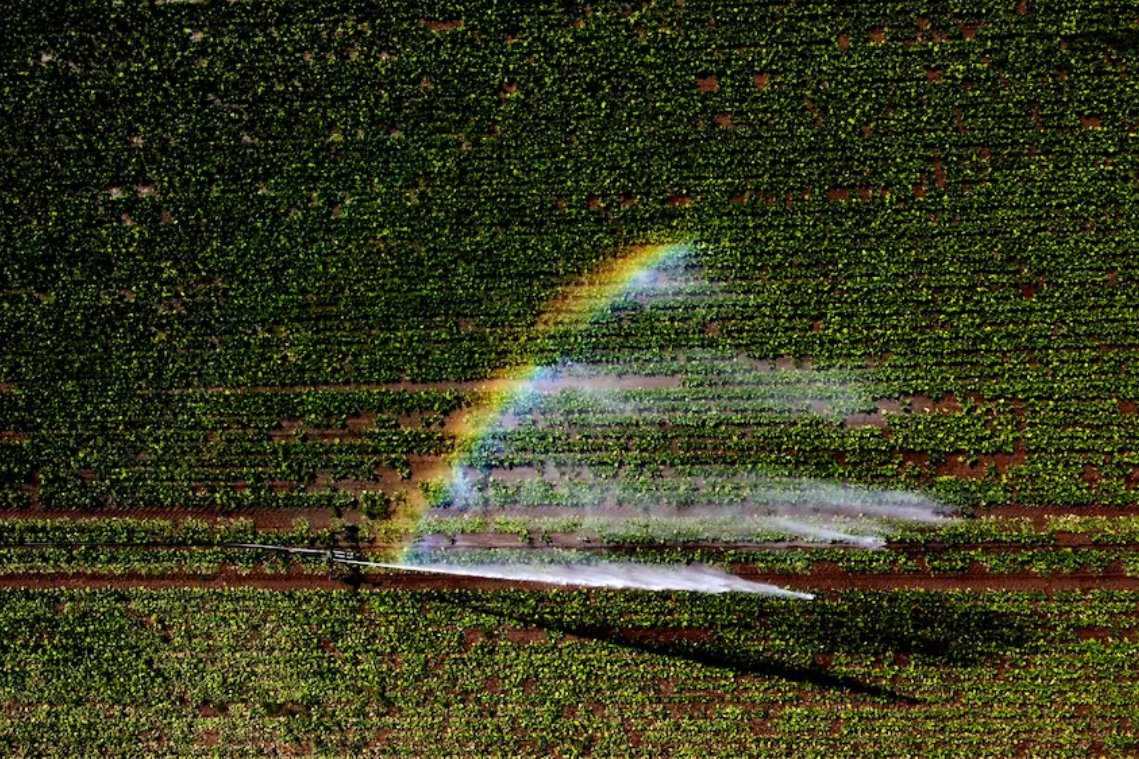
<point x="943" y="628"/>
<point x="753" y="640"/>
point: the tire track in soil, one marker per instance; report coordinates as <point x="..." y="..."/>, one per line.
<point x="821" y="580"/>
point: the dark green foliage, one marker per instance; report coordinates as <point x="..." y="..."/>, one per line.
<point x="294" y="194"/>
<point x="478" y="673"/>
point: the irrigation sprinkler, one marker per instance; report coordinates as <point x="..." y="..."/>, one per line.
<point x="336" y="556"/>
<point x="699" y="578"/>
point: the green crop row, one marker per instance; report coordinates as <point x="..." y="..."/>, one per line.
<point x="247" y="672"/>
<point x="245" y="199"/>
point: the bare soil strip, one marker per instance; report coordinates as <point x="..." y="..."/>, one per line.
<point x="1041" y="514"/>
<point x="283" y="518"/>
<point x="264" y="519"/>
<point x="630" y="381"/>
<point x="822" y="579"/>
<point x="974" y="581"/>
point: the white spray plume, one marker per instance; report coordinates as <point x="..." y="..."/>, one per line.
<point x="822" y="533"/>
<point x="698" y="578"/>
<point x="612" y="437"/>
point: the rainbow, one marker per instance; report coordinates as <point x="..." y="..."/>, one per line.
<point x="577" y="306"/>
<point x="586" y="300"/>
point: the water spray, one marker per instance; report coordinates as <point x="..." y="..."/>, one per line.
<point x="603" y="574"/>
<point x="816" y="532"/>
<point x="621" y="397"/>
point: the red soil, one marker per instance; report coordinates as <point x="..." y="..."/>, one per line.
<point x="442" y="26"/>
<point x="230" y="578"/>
<point x="1040" y="514"/>
<point x="972" y="580"/>
<point x="724" y="121"/>
<point x="267" y="519"/>
<point x="825" y="577"/>
<point x="707" y="83"/>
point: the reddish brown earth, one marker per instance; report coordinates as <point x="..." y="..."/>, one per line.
<point x="974" y="580"/>
<point x="229" y="578"/>
<point x="267" y="519"/>
<point x="1040" y="514"/>
<point x="439" y="26"/>
<point x="707" y="83"/>
<point x="824" y="578"/>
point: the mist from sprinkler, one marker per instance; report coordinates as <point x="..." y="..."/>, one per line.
<point x="643" y="391"/>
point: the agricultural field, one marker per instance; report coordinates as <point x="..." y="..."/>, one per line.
<point x="836" y="298"/>
<point x="256" y="672"/>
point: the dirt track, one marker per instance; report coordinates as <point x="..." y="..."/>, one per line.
<point x="823" y="579"/>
